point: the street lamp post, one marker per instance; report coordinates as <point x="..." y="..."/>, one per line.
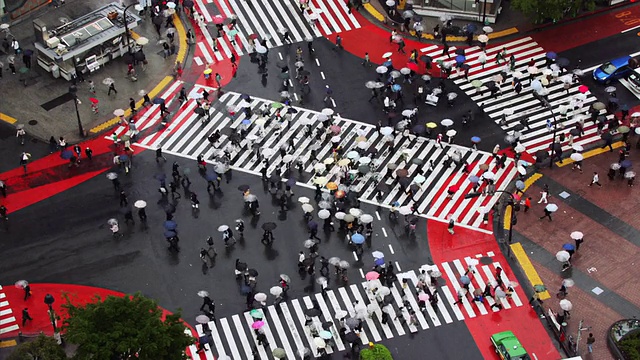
<point x="49" y="300"/>
<point x="555" y="132"/>
<point x="126" y="24"/>
<point x="73" y="90"/>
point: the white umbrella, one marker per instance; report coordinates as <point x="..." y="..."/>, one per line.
<point x="118" y="112"/>
<point x="405" y="71"/>
<point x="327" y="111"/>
<point x="303" y="200"/>
<point x="341" y="314"/>
<point x="487" y="29"/>
<point x="287" y="158"/>
<point x="484" y="209"/>
<point x="519" y="148"/>
<point x="576" y="235"/>
<point x="319" y="343"/>
<point x="355" y="212"/>
<point x="307" y="208"/>
<point x="384" y="291"/>
<point x="275" y="291"/>
<point x="577" y="157"/>
<point x="223" y="228"/>
<point x="522" y="170"/>
<point x="407" y="112"/>
<point x="386" y="131"/>
<point x="319" y="167"/>
<point x="324" y="214"/>
<point x="377" y="255"/>
<point x="562" y="256"/>
<point x="566" y="305"/>
<point x="112" y="175"/>
<point x="309" y="243"/>
<point x="483" y="38"/>
<point x="500" y="294"/>
<point x="629" y="174"/>
<point x="489" y="175"/>
<point x="328" y="161"/>
<point x="419" y="179"/>
<point x="142" y="41"/>
<point x="260" y="297"/>
<point x="446" y="122"/>
<point x="381" y="69"/>
<point x="340" y="215"/>
<point x="405" y="210"/>
<point x="577" y="147"/>
<point x="387" y="55"/>
<point x="203" y="293"/>
<point x="335" y="139"/>
<point x="451" y="133"/>
<point x="364" y="160"/>
<point x="568" y="282"/>
<point x="266" y="152"/>
<point x="366" y="218"/>
<point x="552" y="207"/>
<point x="140" y="204"/>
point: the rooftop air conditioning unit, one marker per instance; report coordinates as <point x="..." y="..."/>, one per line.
<point x="53" y="42"/>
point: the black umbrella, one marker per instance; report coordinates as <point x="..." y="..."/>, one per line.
<point x="562" y="62"/>
<point x="157" y="20"/>
<point x="307" y="261"/>
<point x="281" y="63"/>
<point x="170" y="208"/>
<point x="243" y="187"/>
<point x="312" y="312"/>
<point x="269" y="226"/>
<point x="128" y="58"/>
<point x="412" y="219"/>
<point x="245" y="97"/>
<point x="327" y="325"/>
<point x="419" y="129"/>
<point x="574" y="132"/>
<point x="518" y="127"/>
<point x="241" y="266"/>
<point x="606" y="136"/>
<point x="292" y="110"/>
<point x="253" y="272"/>
<point x="304" y="73"/>
<point x="404" y="182"/>
<point x="351" y="337"/>
<point x="139" y="56"/>
<point x="541" y="154"/>
<point x="199" y="111"/>
<point x="187" y="3"/>
<point x="414" y="188"/>
<point x="426" y="58"/>
<point x="228" y="131"/>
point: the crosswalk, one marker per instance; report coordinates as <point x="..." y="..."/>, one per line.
<point x="186" y="136"/>
<point x="286" y="326"/>
<point x="266" y="19"/>
<point x="562" y="99"/>
<point x="8" y="322"/>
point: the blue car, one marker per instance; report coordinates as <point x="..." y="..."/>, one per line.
<point x="613" y="70"/>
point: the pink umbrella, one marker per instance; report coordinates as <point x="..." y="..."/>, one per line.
<point x="218" y="19"/>
<point x="335" y="129"/>
<point x="583" y="89"/>
<point x="423" y="297"/>
<point x="372" y="275"/>
<point x="257" y="325"/>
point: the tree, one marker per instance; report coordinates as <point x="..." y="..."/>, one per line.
<point x="552" y="10"/>
<point x="375" y="352"/>
<point x="42" y="348"/>
<point x="120" y="327"/>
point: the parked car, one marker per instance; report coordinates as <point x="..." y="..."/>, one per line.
<point x="614" y="69"/>
<point x="634" y="80"/>
<point x="508" y="346"/>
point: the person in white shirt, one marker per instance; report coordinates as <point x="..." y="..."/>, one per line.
<point x="595" y="179"/>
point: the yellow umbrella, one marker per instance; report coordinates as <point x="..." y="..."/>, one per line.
<point x="344" y="162"/>
<point x="208" y="71"/>
<point x="332" y="186"/>
<point x="320" y="180"/>
<point x="432" y="125"/>
<point x="328" y="161"/>
<point x="360" y="139"/>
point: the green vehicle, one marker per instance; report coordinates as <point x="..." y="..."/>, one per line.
<point x="508" y="346"/>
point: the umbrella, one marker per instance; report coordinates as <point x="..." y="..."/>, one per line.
<point x="387" y="55"/>
<point x="405" y="71"/>
<point x="108" y="81"/>
<point x="576" y="235"/>
<point x="253" y="272"/>
<point x="142" y="41"/>
<point x="339" y="195"/>
<point x="269" y="226"/>
<point x="202" y="319"/>
<point x="260" y="297"/>
<point x="335" y="261"/>
<point x="623" y="129"/>
<point x="371" y="85"/>
<point x="568" y="247"/>
<point x="324" y="214"/>
<point x="320" y="180"/>
<point x="344" y="264"/>
<point x="327" y="324"/>
<point x="357" y="239"/>
<point x="285" y="278"/>
<point x="402" y="173"/>
<point x="465" y="280"/>
<point x="203" y="293"/>
<point x="352" y="322"/>
<point x="319" y="343"/>
<point x="598" y="105"/>
<point x="577" y="157"/>
<point x="562" y="256"/>
<point x="372" y="275"/>
<point x="551" y="207"/>
<point x="118" y="112"/>
<point x="366" y="219"/>
<point x="326" y="335"/>
<point x="112" y="176"/>
<point x="313" y="312"/>
<point x="355" y="212"/>
<point x="170" y="225"/>
<point x="21" y="284"/>
<point x="303" y="200"/>
<point x="487" y="29"/>
<point x="218" y="19"/>
<point x="223" y="228"/>
<point x="520" y="185"/>
<point x="500" y="294"/>
<point x="521" y="170"/>
<point x="446" y="122"/>
<point x="275" y="291"/>
<point x="279" y="353"/>
<point x="257" y="314"/>
<point x="309" y="243"/>
<point x="307" y="208"/>
<point x="626" y="163"/>
<point x="568" y="282"/>
<point x="483" y="38"/>
<point x="351" y="337"/>
<point x="382" y="69"/>
<point x="566" y="305"/>
<point x="140" y="204"/>
<point x="451" y="133"/>
<point x="324" y="205"/>
<point x="258" y="324"/>
<point x="377" y="254"/>
<point x="615" y="166"/>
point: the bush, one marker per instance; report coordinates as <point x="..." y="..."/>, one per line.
<point x="378" y="352"/>
<point x="630" y="346"/>
<point x="44" y="348"/>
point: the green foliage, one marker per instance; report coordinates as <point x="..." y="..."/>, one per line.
<point x="378" y="352"/>
<point x="42" y="348"/>
<point x="554" y="10"/>
<point x="117" y="328"/>
<point x="630" y="346"/>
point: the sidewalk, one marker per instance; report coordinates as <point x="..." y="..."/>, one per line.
<point x="23" y="105"/>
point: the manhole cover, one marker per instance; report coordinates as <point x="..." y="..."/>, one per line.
<point x="33" y="122"/>
<point x="485" y="260"/>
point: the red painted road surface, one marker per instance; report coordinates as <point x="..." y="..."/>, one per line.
<point x="522" y="320"/>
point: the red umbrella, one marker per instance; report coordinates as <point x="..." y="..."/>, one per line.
<point x="453" y="189"/>
<point x="94" y="100"/>
<point x="253" y="36"/>
<point x="412" y="66"/>
<point x="218" y="19"/>
<point x="583" y="89"/>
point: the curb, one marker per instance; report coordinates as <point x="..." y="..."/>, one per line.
<point x="591" y="153"/>
<point x="529" y="271"/>
<point x="527" y="183"/>
<point x="180" y="57"/>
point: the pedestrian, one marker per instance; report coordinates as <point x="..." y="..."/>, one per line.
<point x="228" y="237"/>
<point x="527" y="204"/>
<point x="482" y="59"/>
<point x="208" y="303"/>
<point x="544" y="194"/>
<point x="159" y="155"/>
<point x="285" y="35"/>
<point x="3" y="214"/>
<point x="233" y="59"/>
<point x="451" y="225"/>
<point x="20" y="135"/>
<point x="547" y="213"/>
<point x="367" y="60"/>
<point x="25" y="316"/>
<point x="461" y="293"/>
<point x="24" y="159"/>
<point x="445" y="49"/>
<point x="329" y="93"/>
<point x="142" y="214"/>
<point x="218" y="78"/>
<point x="92" y="87"/>
<point x="595" y="179"/>
<point x="123" y="199"/>
<point x="339" y="42"/>
<point x="112" y="87"/>
<point x="301" y="258"/>
<point x="3" y="188"/>
<point x="27" y="291"/>
<point x="590" y="340"/>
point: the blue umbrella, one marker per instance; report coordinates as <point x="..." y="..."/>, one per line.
<point x="158" y="101"/>
<point x="465" y="280"/>
<point x="245" y="289"/>
<point x="169" y="234"/>
<point x="357" y="239"/>
<point x="66" y="154"/>
<point x="387" y="63"/>
<point x="475" y="139"/>
<point x="460" y="59"/>
<point x="474" y="179"/>
<point x="246" y="122"/>
<point x="170" y="225"/>
<point x="562" y="62"/>
<point x="291" y="181"/>
<point x="312" y="225"/>
<point x="471" y="28"/>
<point x="520" y="185"/>
<point x="210" y="176"/>
<point x="379" y="262"/>
<point x="123" y="157"/>
<point x="551" y="55"/>
<point x="244" y="97"/>
<point x="419" y="129"/>
<point x="396" y="87"/>
<point x="626" y="163"/>
<point x="568" y="247"/>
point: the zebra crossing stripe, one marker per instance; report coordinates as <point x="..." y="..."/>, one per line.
<point x="454" y="282"/>
<point x="372" y="327"/>
<point x="243" y="336"/>
<point x="301" y="318"/>
<point x="226" y="329"/>
<point x="461" y="271"/>
<point x="378" y="312"/>
<point x="328" y="318"/>
<point x="411" y="275"/>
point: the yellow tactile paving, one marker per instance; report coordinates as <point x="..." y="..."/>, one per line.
<point x="528" y="269"/>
